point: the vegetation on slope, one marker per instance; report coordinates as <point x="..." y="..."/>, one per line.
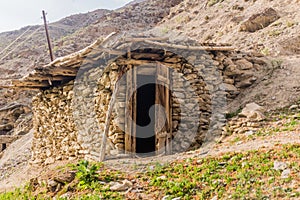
<point x="263" y="174"/>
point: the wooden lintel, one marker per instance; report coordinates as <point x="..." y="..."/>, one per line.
<point x="147" y="56"/>
<point x="133" y="62"/>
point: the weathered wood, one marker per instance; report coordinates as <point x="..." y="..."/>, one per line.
<point x="107" y="122"/>
<point x="4" y="139"/>
<point x="7" y="86"/>
<point x="130" y="111"/>
<point x="46" y="77"/>
<point x="134" y="62"/>
<point x="63" y="71"/>
<point x="20" y="83"/>
<point x="193" y="48"/>
<point x="169" y="113"/>
<point x="147" y="56"/>
<point x="162" y="97"/>
<point x="11" y="106"/>
<point x="143" y="39"/>
<point x="66" y="66"/>
<point x="146" y="70"/>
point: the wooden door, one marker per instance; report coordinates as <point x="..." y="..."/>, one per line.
<point x="130" y="111"/>
<point x="163" y="119"/>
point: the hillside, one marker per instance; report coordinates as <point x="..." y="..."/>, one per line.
<point x="31" y="49"/>
<point x="270" y="28"/>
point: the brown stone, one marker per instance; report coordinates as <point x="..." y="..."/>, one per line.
<point x="260" y="20"/>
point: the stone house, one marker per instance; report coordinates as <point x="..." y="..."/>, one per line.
<point x="169" y="97"/>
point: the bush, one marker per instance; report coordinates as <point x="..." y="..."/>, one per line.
<point x="86" y="174"/>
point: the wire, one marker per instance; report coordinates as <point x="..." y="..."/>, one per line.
<point x="14" y="41"/>
<point x="22" y="42"/>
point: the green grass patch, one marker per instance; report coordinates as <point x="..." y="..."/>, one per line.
<point x="247" y="175"/>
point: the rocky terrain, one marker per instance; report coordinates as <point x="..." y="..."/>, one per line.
<point x="267" y="27"/>
<point x="264" y="28"/>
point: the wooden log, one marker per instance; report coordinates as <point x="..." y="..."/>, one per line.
<point x="46" y="77"/>
<point x="146" y="56"/>
<point x="107" y="122"/>
<point x="193" y="48"/>
<point x="7" y="86"/>
<point x="4" y="139"/>
<point x="21" y="83"/>
<point x="62" y="71"/>
<point x="10" y="107"/>
<point x="134" y="62"/>
<point x="143" y="39"/>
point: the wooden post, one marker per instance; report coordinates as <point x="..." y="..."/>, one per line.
<point x="107" y="122"/>
<point x="47" y="35"/>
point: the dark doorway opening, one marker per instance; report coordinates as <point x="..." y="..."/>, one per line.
<point x="145" y="117"/>
<point x="3" y="147"/>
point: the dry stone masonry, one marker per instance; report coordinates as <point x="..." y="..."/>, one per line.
<point x="69" y="116"/>
<point x="55" y="133"/>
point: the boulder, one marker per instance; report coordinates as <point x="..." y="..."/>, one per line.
<point x="116" y="186"/>
<point x="253" y="112"/>
<point x="244" y="64"/>
<point x="260" y="20"/>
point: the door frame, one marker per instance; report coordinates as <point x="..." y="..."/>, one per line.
<point x="163" y="137"/>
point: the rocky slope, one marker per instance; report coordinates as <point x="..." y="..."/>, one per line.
<point x="266" y="27"/>
<point x="270" y="27"/>
<point x="31" y="49"/>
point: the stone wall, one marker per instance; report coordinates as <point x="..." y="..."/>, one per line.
<point x="69" y="120"/>
<point x="55" y="133"/>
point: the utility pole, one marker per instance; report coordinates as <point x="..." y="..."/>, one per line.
<point x="47" y="35"/>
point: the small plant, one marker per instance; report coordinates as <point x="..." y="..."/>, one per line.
<point x="165" y="30"/>
<point x="265" y="51"/>
<point x="274" y="33"/>
<point x="86" y="174"/>
<point x="290" y="24"/>
<point x="233" y="114"/>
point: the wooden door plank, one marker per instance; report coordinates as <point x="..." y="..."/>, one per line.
<point x="162" y="97"/>
<point x="130" y="111"/>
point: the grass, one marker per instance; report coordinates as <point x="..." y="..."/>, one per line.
<point x="248" y="175"/>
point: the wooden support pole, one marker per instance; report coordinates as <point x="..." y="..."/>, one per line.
<point x="47" y="35"/>
<point x="107" y="122"/>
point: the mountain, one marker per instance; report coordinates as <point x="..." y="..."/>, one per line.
<point x="31" y="49"/>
